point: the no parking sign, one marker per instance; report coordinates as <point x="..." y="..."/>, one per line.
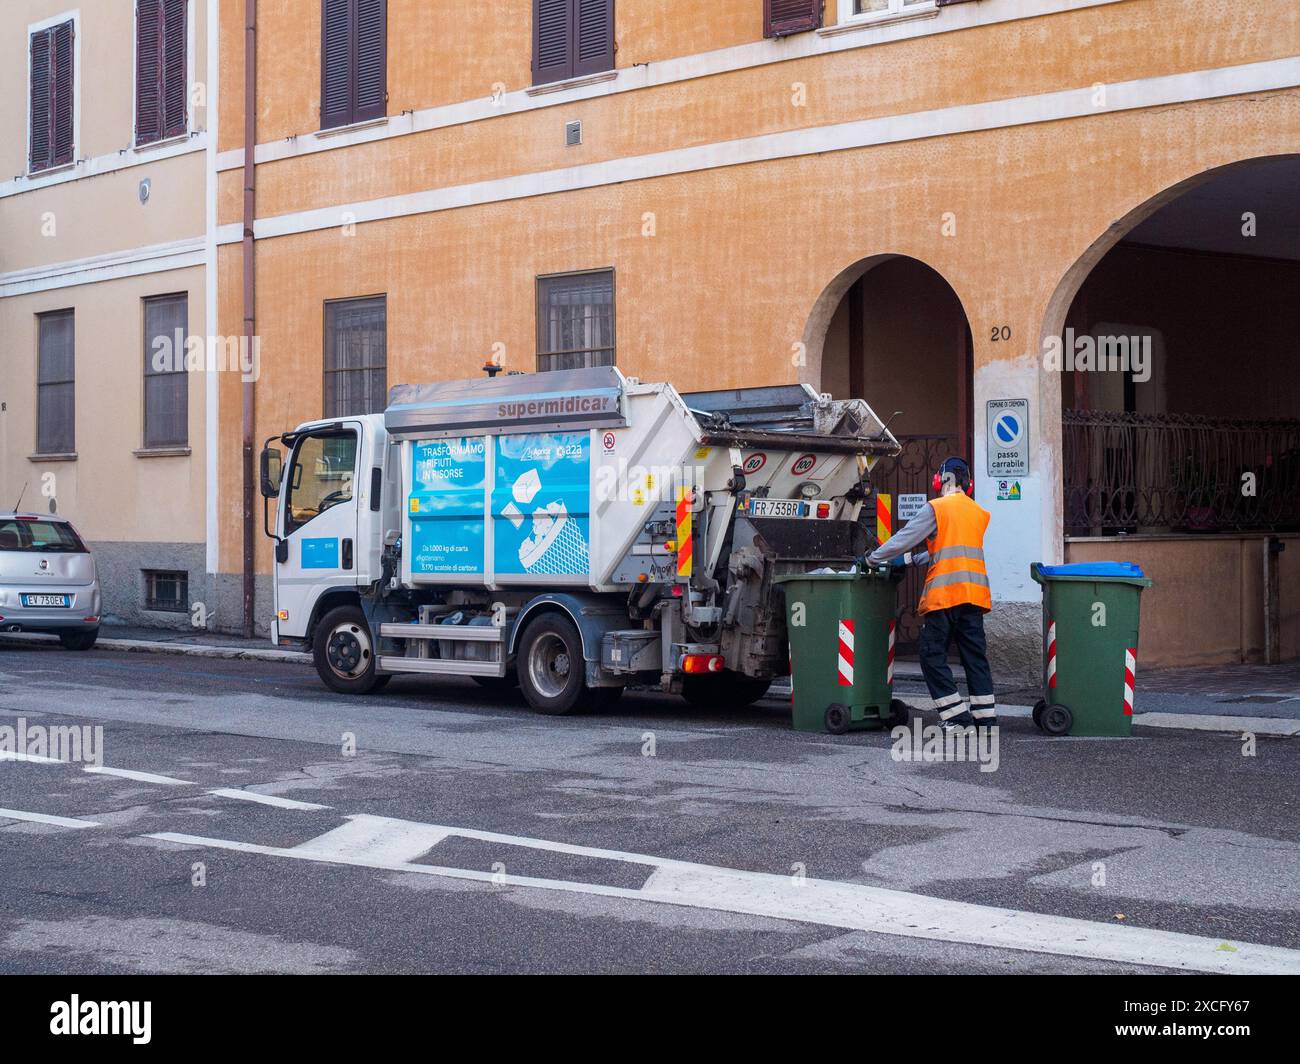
<point x="1008" y="438"/>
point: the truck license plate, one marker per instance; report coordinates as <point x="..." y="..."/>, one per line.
<point x="47" y="600"/>
<point x="778" y="508"/>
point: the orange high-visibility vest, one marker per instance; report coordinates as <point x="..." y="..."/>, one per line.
<point x="957" y="574"/>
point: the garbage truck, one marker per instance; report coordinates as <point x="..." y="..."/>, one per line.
<point x="568" y="532"/>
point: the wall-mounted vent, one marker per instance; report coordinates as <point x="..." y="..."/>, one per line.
<point x="572" y="133"/>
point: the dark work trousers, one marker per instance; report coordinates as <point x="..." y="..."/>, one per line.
<point x="965" y="623"/>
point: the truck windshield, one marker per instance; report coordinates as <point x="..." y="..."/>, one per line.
<point x="321" y="477"/>
<point x="39" y="537"/>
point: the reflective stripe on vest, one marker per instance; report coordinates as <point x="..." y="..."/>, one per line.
<point x="957" y="575"/>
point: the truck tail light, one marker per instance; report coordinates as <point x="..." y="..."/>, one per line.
<point x="698" y="663"/>
<point x="823" y="509"/>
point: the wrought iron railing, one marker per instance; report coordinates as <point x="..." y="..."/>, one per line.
<point x="1129" y="472"/>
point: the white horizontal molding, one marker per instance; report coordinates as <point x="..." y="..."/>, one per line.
<point x="967" y="118"/>
<point x="663" y="72"/>
<point x="156" y="258"/>
<point x="105" y="164"/>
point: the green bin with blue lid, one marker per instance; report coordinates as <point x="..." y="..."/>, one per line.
<point x="1091" y="616"/>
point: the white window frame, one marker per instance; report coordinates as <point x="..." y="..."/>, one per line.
<point x="73" y="16"/>
<point x="190" y="80"/>
<point x="897" y="9"/>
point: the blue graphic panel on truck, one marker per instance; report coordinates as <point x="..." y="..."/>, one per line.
<point x="541" y="504"/>
<point x="319" y="553"/>
<point x="446" y="504"/>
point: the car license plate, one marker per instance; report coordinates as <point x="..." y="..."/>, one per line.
<point x="61" y="601"/>
<point x="778" y="508"/>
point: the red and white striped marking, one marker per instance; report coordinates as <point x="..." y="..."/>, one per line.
<point x="1051" y="654"/>
<point x="846" y="653"/>
<point x="889" y="657"/>
<point x="1130" y="668"/>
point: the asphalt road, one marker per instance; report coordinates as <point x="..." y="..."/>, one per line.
<point x="436" y="827"/>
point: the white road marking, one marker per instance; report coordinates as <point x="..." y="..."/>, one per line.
<point x="139" y="777"/>
<point x="15" y="755"/>
<point x="390" y="845"/>
<point x="1212" y="722"/>
<point x="46" y="818"/>
<point x="264" y="799"/>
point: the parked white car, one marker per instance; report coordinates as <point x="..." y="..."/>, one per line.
<point x="48" y="580"/>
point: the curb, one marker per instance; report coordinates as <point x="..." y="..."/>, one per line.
<point x="1281" y="727"/>
<point x="197" y="650"/>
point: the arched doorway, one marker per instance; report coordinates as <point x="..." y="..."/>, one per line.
<point x="1180" y="410"/>
<point x="891" y="330"/>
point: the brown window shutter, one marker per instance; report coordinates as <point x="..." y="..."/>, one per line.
<point x="783" y="17"/>
<point x="552" y="36"/>
<point x="593" y="37"/>
<point x="61" y="104"/>
<point x="148" y="70"/>
<point x="61" y="78"/>
<point x="174" y="88"/>
<point x="39" y="154"/>
<point x="335" y="63"/>
<point x="371" y="50"/>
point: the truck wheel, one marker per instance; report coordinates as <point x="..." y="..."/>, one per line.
<point x="552" y="673"/>
<point x="343" y="653"/>
<point x="725" y="690"/>
<point x="79" y="639"/>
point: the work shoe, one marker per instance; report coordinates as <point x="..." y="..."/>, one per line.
<point x="986" y="722"/>
<point x="958" y="723"/>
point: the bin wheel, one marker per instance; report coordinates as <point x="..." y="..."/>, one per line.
<point x="898" y="713"/>
<point x="1039" y="706"/>
<point x="837" y="718"/>
<point x="1057" y="720"/>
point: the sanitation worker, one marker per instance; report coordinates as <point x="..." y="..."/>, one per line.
<point x="956" y="594"/>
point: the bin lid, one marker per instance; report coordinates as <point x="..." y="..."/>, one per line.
<point x="1125" y="571"/>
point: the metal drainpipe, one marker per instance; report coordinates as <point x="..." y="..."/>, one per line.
<point x="250" y="303"/>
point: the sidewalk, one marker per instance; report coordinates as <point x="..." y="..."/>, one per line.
<point x="1260" y="698"/>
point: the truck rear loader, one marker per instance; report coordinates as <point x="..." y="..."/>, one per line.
<point x="570" y="532"/>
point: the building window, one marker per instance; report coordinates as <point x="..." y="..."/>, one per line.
<point x="354" y="61"/>
<point x="356" y="356"/>
<point x="166" y="384"/>
<point x="55" y="383"/>
<point x="861" y="10"/>
<point x="161" y="86"/>
<point x="51" y="113"/>
<point x="166" y="590"/>
<point x="575" y="320"/>
<point x="572" y="38"/>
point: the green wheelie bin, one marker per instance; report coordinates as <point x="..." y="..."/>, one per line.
<point x="1090" y="640"/>
<point x="841" y="628"/>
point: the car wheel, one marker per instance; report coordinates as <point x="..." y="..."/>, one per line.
<point x="79" y="639"/>
<point x="344" y="654"/>
<point x="551" y="669"/>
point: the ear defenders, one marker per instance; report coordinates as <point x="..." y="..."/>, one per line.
<point x="952" y="466"/>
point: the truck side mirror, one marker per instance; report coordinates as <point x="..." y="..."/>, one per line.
<point x="271" y="469"/>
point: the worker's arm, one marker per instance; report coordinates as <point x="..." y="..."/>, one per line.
<point x="912" y="534"/>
